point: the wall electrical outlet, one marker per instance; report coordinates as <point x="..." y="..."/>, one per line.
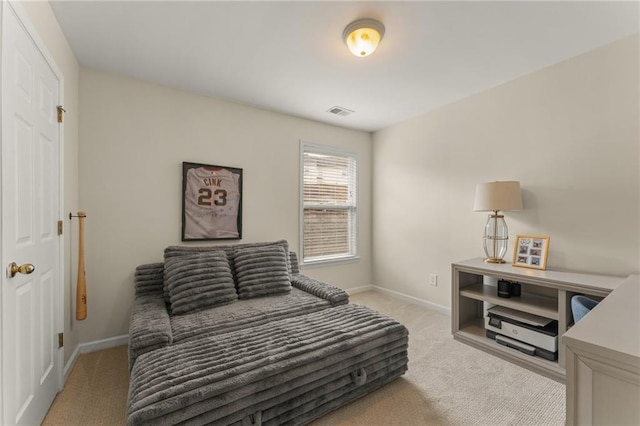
<point x="433" y="280"/>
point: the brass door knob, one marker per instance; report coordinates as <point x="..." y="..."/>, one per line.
<point x="26" y="269"/>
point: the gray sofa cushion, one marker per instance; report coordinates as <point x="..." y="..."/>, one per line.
<point x="335" y="295"/>
<point x="293" y="260"/>
<point x="245" y="313"/>
<point x="261" y="271"/>
<point x="199" y="281"/>
<point x="174" y="251"/>
<point x="149" y="326"/>
<point x="149" y="279"/>
<point x="285" y="373"/>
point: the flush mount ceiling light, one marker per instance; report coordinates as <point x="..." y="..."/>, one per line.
<point x="362" y="36"/>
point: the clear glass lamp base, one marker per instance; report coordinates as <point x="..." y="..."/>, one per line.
<point x="496" y="238"/>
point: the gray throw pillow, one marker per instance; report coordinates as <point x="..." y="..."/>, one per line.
<point x="230" y="249"/>
<point x="199" y="281"/>
<point x="261" y="271"/>
<point x="149" y="279"/>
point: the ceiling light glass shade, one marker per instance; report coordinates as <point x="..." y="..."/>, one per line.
<point x="363" y="36"/>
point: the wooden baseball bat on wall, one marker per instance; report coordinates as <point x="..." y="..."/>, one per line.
<point x="81" y="288"/>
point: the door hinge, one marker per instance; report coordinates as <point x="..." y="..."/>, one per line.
<point x="60" y="111"/>
<point x="60" y="227"/>
<point x="60" y="340"/>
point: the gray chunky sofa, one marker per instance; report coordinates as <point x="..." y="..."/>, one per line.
<point x="235" y="335"/>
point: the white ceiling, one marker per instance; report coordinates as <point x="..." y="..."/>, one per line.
<point x="289" y="56"/>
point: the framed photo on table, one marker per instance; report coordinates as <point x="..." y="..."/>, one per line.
<point x="211" y="202"/>
<point x="531" y="251"/>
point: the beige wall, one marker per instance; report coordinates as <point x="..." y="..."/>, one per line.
<point x="43" y="19"/>
<point x="135" y="136"/>
<point x="569" y="133"/>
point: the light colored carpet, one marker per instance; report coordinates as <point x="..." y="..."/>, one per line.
<point x="448" y="383"/>
<point x="95" y="392"/>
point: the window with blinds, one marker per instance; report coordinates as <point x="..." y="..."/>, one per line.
<point x="329" y="204"/>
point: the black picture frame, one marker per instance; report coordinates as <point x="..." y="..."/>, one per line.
<point x="211" y="202"/>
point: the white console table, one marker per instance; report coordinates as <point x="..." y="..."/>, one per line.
<point x="544" y="293"/>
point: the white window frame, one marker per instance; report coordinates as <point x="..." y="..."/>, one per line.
<point x="328" y="150"/>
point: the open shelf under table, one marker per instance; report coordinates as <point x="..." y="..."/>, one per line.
<point x="474" y="334"/>
<point x="536" y="304"/>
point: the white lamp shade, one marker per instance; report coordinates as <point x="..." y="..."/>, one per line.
<point x="498" y="196"/>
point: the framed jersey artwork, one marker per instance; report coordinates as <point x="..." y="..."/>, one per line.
<point x="211" y="203"/>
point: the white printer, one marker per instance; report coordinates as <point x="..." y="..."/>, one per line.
<point x="533" y="334"/>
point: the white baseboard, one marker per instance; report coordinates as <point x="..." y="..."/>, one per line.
<point x="96" y="345"/>
<point x="71" y="363"/>
<point x="361" y="289"/>
<point x="415" y="300"/>
<point x="404" y="297"/>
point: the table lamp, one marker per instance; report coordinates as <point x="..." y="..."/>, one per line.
<point x="496" y="197"/>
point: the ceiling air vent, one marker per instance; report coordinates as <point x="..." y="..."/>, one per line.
<point x="339" y="111"/>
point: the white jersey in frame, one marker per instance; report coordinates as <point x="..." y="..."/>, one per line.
<point x="211" y="203"/>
